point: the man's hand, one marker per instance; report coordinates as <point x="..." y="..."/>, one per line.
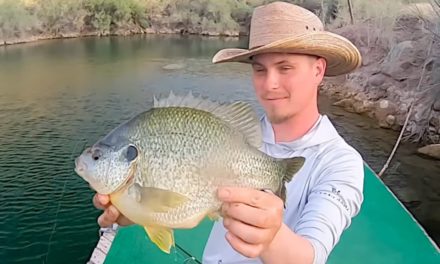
<point x="111" y="214"/>
<point x="252" y="217"/>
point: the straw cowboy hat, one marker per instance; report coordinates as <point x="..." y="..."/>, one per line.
<point x="284" y="27"/>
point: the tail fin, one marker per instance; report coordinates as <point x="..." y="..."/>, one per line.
<point x="292" y="165"/>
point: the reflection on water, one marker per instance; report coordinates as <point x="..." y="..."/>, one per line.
<point x="57" y="96"/>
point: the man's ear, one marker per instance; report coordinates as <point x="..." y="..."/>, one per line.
<point x="320" y="67"/>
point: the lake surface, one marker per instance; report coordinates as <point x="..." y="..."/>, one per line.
<point x="58" y="96"/>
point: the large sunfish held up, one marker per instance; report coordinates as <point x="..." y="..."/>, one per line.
<point x="162" y="168"/>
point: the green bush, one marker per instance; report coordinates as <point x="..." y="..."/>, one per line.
<point x="61" y="16"/>
<point x="15" y="19"/>
<point x="19" y="17"/>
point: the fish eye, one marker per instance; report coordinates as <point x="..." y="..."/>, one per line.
<point x="132" y="153"/>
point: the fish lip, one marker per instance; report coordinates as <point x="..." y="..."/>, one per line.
<point x="80" y="166"/>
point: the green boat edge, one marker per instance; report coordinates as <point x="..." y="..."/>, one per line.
<point x="384" y="231"/>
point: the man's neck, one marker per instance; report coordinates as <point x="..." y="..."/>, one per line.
<point x="296" y="126"/>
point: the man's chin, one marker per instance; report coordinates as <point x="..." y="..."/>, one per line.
<point x="275" y="118"/>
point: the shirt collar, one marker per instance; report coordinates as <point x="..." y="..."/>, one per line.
<point x="322" y="131"/>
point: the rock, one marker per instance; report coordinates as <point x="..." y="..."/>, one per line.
<point x="435" y="121"/>
<point x="436" y="106"/>
<point x="173" y="66"/>
<point x="377" y="93"/>
<point x="391" y="120"/>
<point x="384" y="103"/>
<point x="432" y="150"/>
<point x="384" y="124"/>
<point x="365" y="59"/>
<point x="397" y="63"/>
<point x="408" y="195"/>
<point x="434" y="138"/>
<point x="385" y="113"/>
<point x="386" y="107"/>
<point x="150" y="31"/>
<point x="362" y="106"/>
<point x="434" y="72"/>
<point x="377" y="80"/>
<point x="344" y="102"/>
<point x="70" y="34"/>
<point x="231" y="33"/>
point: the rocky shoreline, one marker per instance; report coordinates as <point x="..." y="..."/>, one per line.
<point x="383" y="88"/>
<point x="393" y="78"/>
<point x="119" y="32"/>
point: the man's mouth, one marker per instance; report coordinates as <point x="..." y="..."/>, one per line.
<point x="274" y="99"/>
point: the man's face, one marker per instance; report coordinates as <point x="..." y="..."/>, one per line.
<point x="287" y="84"/>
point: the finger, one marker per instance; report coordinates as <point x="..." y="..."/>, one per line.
<point x="247" y="250"/>
<point x="123" y="221"/>
<point x="101" y="201"/>
<point x="252" y="197"/>
<point x="247" y="233"/>
<point x="261" y="218"/>
<point x="108" y="217"/>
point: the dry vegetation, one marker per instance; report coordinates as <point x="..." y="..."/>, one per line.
<point x="400" y="45"/>
<point x="393" y="37"/>
<point x="22" y="20"/>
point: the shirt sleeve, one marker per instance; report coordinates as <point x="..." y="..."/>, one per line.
<point x="334" y="199"/>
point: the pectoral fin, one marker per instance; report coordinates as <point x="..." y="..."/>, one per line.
<point x="157" y="200"/>
<point x="161" y="236"/>
<point x="292" y="166"/>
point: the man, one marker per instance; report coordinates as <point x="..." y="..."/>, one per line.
<point x="290" y="53"/>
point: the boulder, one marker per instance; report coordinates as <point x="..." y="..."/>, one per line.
<point x="397" y="63"/>
<point x="385" y="113"/>
<point x="363" y="106"/>
<point x="391" y="120"/>
<point x="347" y="104"/>
<point x="432" y="150"/>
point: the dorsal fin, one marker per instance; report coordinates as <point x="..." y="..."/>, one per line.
<point x="239" y="115"/>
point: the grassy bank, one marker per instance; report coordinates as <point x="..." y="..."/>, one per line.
<point x="394" y="47"/>
<point x="23" y="19"/>
<point x="400" y="45"/>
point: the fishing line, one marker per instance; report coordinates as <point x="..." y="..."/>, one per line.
<point x="59" y="203"/>
<point x="188" y="254"/>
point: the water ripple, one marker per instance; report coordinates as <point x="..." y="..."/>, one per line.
<point x="46" y="211"/>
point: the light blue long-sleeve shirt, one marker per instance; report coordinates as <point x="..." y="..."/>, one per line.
<point x="322" y="198"/>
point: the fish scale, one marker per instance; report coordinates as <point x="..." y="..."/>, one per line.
<point x="162" y="168"/>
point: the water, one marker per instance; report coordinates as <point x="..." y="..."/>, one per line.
<point x="57" y="96"/>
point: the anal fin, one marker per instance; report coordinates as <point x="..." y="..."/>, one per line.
<point x="162" y="237"/>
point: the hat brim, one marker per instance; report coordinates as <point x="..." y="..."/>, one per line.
<point x="341" y="55"/>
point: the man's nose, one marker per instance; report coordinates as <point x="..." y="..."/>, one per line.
<point x="272" y="80"/>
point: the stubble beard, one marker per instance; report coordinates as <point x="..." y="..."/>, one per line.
<point x="276" y="118"/>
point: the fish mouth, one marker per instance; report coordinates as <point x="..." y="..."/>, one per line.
<point x="81" y="170"/>
<point x="80" y="166"/>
